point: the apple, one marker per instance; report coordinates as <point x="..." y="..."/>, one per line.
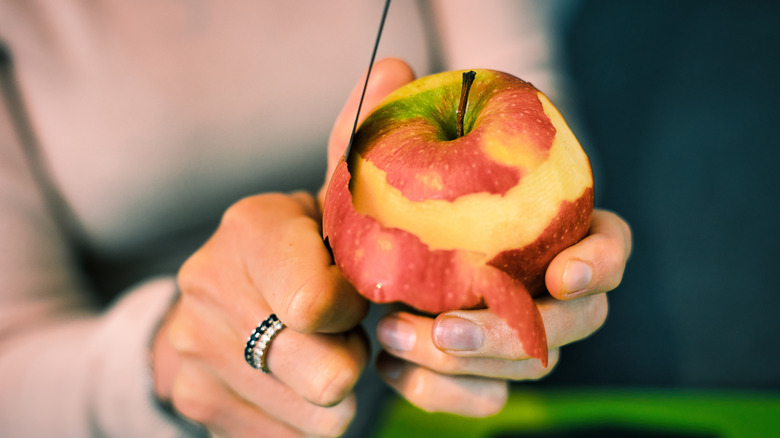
<point x="458" y="191"/>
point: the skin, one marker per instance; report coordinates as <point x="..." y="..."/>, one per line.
<point x="267" y="256"/>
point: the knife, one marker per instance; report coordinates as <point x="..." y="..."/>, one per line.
<point x="368" y="75"/>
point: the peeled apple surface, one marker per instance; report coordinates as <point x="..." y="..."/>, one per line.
<point x="439" y="222"/>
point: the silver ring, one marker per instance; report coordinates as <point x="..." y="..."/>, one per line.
<point x="259" y="341"/>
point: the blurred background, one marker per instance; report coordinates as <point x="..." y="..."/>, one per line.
<point x="677" y="102"/>
<point x="680" y="101"/>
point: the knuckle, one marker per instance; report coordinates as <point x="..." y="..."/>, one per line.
<point x="603" y="244"/>
<point x="252" y="206"/>
<point x="237" y="215"/>
<point x="495" y="400"/>
<point x="507" y="342"/>
<point x="298" y="313"/>
<point x="182" y="339"/>
<point x="478" y="398"/>
<point x="198" y="410"/>
<point x="610" y="262"/>
<point x="539" y="372"/>
<point x="308" y="297"/>
<point x="187" y="400"/>
<point x="598" y="309"/>
<point x="247" y="210"/>
<point x="190" y="274"/>
<point x="298" y="225"/>
<point x="308" y="306"/>
<point x="339" y="418"/>
<point x="627" y="235"/>
<point x="306" y="201"/>
<point x="448" y="364"/>
<point x="197" y="278"/>
<point x="333" y="384"/>
<point x="618" y="251"/>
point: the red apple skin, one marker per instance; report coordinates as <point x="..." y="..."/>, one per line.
<point x="529" y="264"/>
<point x="403" y="139"/>
<point x="389" y="264"/>
<point x="396" y="134"/>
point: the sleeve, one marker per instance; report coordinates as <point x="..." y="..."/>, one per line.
<point x="67" y="368"/>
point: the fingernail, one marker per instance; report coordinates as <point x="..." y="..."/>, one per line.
<point x="396" y="334"/>
<point x="451" y="333"/>
<point x="576" y="277"/>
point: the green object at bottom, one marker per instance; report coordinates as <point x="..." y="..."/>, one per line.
<point x="600" y="413"/>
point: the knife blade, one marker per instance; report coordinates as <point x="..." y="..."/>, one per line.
<point x="368" y="75"/>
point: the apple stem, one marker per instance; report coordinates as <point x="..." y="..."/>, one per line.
<point x="468" y="79"/>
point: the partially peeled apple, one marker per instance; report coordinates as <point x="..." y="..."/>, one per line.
<point x="457" y="195"/>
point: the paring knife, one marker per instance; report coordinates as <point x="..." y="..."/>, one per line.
<point x="368" y="75"/>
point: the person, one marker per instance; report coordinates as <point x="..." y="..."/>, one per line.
<point x="146" y="140"/>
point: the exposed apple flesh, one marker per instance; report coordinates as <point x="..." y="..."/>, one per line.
<point x="442" y="222"/>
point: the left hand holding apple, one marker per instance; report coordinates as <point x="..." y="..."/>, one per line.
<point x="460" y="361"/>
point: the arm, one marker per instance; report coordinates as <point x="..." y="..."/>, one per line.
<point x="65" y="369"/>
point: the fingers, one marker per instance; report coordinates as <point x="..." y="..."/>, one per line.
<point x="480" y="333"/>
<point x="484" y="345"/>
<point x="267" y="256"/>
<point x="573" y="320"/>
<point x="386" y="76"/>
<point x="596" y="263"/>
<point x="434" y="392"/>
<point x="434" y="356"/>
<point x="459" y="352"/>
<point x="477" y="342"/>
<point x="227" y="414"/>
<point x="309" y="372"/>
<point x="220" y="411"/>
<point x="285" y="261"/>
<point x="322" y="368"/>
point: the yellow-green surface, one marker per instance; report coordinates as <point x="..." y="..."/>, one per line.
<point x="564" y="413"/>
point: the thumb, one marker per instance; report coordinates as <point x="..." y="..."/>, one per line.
<point x="386" y="76"/>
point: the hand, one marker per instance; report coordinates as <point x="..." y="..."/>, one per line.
<point x="267" y="256"/>
<point x="429" y="361"/>
<point x="460" y="362"/>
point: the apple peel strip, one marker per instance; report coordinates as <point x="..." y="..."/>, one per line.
<point x="389" y="264"/>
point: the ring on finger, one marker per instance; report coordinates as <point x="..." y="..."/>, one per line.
<point x="256" y="349"/>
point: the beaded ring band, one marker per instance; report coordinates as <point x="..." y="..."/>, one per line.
<point x="257" y="345"/>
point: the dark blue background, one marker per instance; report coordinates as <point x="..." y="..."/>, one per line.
<point x="682" y="102"/>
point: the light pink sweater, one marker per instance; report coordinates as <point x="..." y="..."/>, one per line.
<point x="150" y="118"/>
